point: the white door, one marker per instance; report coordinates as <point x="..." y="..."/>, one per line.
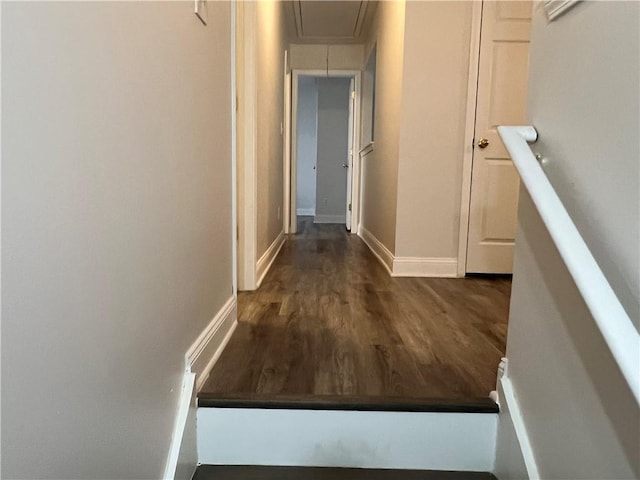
<point x="502" y="89"/>
<point x="351" y="144"/>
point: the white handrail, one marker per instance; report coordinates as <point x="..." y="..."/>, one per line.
<point x="617" y="329"/>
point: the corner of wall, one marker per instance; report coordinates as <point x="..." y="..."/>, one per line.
<point x="439" y="267"/>
<point x="514" y="455"/>
<point x="380" y="169"/>
<point x="267" y="259"/>
<point x="381" y="252"/>
<point x="199" y="360"/>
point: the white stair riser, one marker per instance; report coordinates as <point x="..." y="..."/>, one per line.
<point x="321" y="438"/>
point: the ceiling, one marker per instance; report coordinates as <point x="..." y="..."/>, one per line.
<point x="328" y="21"/>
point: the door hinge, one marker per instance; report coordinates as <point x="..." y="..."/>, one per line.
<point x="353" y="94"/>
<point x="349" y="207"/>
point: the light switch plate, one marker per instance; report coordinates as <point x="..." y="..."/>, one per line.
<point x="201" y="10"/>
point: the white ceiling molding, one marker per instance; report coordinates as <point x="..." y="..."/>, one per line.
<point x="555" y="8"/>
<point x="360" y="20"/>
<point x="297" y="12"/>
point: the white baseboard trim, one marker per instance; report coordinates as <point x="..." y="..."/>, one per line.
<point x="408" y="266"/>
<point x="424" y="267"/>
<point x="268" y="257"/>
<point x="322" y="438"/>
<point x="514" y="454"/>
<point x="330" y="219"/>
<point x="199" y="360"/>
<point x="186" y="401"/>
<point x="210" y="343"/>
<point x="306" y="212"/>
<point x="377" y="248"/>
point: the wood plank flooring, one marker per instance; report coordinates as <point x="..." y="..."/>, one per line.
<point x="329" y="320"/>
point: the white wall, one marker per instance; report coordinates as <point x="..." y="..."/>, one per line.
<point x="333" y="146"/>
<point x="321" y="57"/>
<point x="306" y="145"/>
<point x="593" y="144"/>
<point x="380" y="168"/>
<point x="580" y="415"/>
<point x="413" y="177"/>
<point x="434" y="94"/>
<point x="581" y="418"/>
<point x="271" y="44"/>
<point x="116" y="227"/>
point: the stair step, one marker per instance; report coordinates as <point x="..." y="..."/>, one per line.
<point x="348" y="402"/>
<point x="304" y="437"/>
<point x="251" y="472"/>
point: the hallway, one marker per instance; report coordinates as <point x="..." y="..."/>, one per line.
<point x="328" y="320"/>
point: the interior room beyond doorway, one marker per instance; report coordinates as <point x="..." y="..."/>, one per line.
<point x="323" y="134"/>
<point x="322" y="148"/>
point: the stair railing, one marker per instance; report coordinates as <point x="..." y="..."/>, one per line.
<point x="615" y="325"/>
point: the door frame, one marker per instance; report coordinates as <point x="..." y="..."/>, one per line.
<point x="290" y="168"/>
<point x="469" y="135"/>
<point x="246" y="145"/>
<point x="234" y="151"/>
<point x="351" y="146"/>
<point x="287" y="146"/>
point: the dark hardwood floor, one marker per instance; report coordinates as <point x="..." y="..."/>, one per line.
<point x="329" y="320"/>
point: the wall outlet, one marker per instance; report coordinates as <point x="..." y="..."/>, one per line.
<point x="324" y="200"/>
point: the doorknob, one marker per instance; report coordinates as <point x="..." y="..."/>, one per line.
<point x="483" y="143"/>
<point x="345" y="165"/>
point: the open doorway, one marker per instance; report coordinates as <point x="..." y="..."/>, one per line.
<point x="324" y="173"/>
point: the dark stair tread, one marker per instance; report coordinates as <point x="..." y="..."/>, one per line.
<point x="250" y="472"/>
<point x="347" y="402"/>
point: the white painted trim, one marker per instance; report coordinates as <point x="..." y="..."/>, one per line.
<point x="381" y="252"/>
<point x="306" y="212"/>
<point x="268" y="257"/>
<point x="291" y="182"/>
<point x="286" y="160"/>
<point x="356" y="176"/>
<point x="408" y="266"/>
<point x="399" y="440"/>
<point x="247" y="144"/>
<point x="184" y="403"/>
<point x="234" y="155"/>
<point x="614" y="323"/>
<point x="329" y="219"/>
<point x="209" y="345"/>
<point x="297" y="12"/>
<point x="368" y="148"/>
<point x="509" y="407"/>
<point x="355" y="173"/>
<point x="1" y="170"/>
<point x="469" y="133"/>
<point x="555" y="8"/>
<point x="424" y="267"/>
